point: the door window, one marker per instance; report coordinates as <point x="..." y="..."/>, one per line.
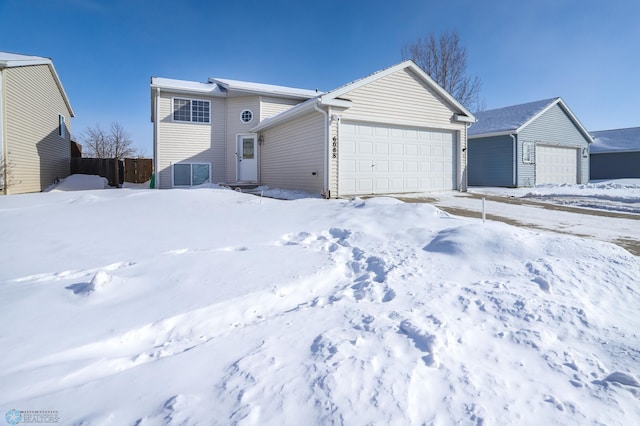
<point x="248" y="149"/>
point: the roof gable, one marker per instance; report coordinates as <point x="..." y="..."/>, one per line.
<point x="11" y="60"/>
<point x="616" y="140"/>
<point x="513" y="119"/>
<point x="462" y="113"/>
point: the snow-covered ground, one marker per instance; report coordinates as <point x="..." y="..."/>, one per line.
<point x="209" y="306"/>
<point x="619" y="195"/>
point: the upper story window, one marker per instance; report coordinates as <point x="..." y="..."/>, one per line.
<point x="191" y="110"/>
<point x="246" y="116"/>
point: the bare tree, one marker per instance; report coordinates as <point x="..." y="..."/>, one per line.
<point x="115" y="143"/>
<point x="445" y="60"/>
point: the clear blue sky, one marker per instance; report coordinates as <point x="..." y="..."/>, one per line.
<point x="105" y="51"/>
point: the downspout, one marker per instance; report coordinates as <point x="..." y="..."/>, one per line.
<point x="464" y="165"/>
<point x="515" y="160"/>
<point x="325" y="190"/>
<point x="156" y="136"/>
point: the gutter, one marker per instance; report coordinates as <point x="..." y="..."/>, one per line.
<point x="515" y="160"/>
<point x="156" y="160"/>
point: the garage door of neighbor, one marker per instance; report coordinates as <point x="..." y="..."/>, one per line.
<point x="379" y="159"/>
<point x="556" y="165"/>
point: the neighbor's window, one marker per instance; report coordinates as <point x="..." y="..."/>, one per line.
<point x="191" y="110"/>
<point x="527" y="152"/>
<point x="246" y="116"/>
<point x="188" y="174"/>
<point x="61" y="126"/>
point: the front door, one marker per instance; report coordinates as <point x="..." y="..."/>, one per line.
<point x="247" y="155"/>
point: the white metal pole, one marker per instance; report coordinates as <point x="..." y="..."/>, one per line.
<point x="484" y="213"/>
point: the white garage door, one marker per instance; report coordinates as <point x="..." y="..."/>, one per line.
<point x="376" y="159"/>
<point x="556" y="165"/>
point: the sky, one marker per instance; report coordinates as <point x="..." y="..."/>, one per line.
<point x="105" y="52"/>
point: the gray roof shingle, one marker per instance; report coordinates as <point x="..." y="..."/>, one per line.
<point x="508" y="118"/>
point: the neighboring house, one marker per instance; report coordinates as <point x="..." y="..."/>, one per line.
<point x="35" y="124"/>
<point x="615" y="154"/>
<point x="527" y="145"/>
<point x="393" y="131"/>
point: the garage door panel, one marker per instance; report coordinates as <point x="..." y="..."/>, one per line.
<point x="411" y="149"/>
<point x="348" y="166"/>
<point x="397" y="166"/>
<point x="556" y="165"/>
<point x="396" y="149"/>
<point x="411" y="166"/>
<point x="348" y="147"/>
<point x="403" y="159"/>
<point x="364" y="166"/>
<point x="382" y="148"/>
<point x="382" y="184"/>
<point x="382" y="166"/>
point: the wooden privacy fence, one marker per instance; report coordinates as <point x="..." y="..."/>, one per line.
<point x="134" y="170"/>
<point x="137" y="170"/>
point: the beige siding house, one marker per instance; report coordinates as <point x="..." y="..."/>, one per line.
<point x="35" y="124"/>
<point x="393" y="131"/>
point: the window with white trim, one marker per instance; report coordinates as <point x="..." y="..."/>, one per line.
<point x="527" y="152"/>
<point x="191" y="174"/>
<point x="62" y="128"/>
<point x="246" y="116"/>
<point x="191" y="110"/>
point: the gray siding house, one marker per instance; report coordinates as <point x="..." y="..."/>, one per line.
<point x="35" y="124"/>
<point x="529" y="144"/>
<point x="615" y="154"/>
<point x="393" y="131"/>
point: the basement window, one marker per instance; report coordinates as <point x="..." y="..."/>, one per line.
<point x="191" y="174"/>
<point x="191" y="110"/>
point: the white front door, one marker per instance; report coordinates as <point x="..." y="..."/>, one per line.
<point x="247" y="157"/>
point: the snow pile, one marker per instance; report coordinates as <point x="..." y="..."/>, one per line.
<point x="80" y="183"/>
<point x="209" y="306"/>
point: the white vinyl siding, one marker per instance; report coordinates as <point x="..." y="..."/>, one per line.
<point x="271" y="106"/>
<point x="188" y="143"/>
<point x="36" y="152"/>
<point x="400" y="98"/>
<point x="292" y="154"/>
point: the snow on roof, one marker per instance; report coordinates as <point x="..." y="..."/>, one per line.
<point x="8" y="59"/>
<point x="616" y="140"/>
<point x="508" y="118"/>
<point x="191" y="86"/>
<point x="246" y="86"/>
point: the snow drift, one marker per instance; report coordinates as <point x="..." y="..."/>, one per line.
<point x="210" y="306"/>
